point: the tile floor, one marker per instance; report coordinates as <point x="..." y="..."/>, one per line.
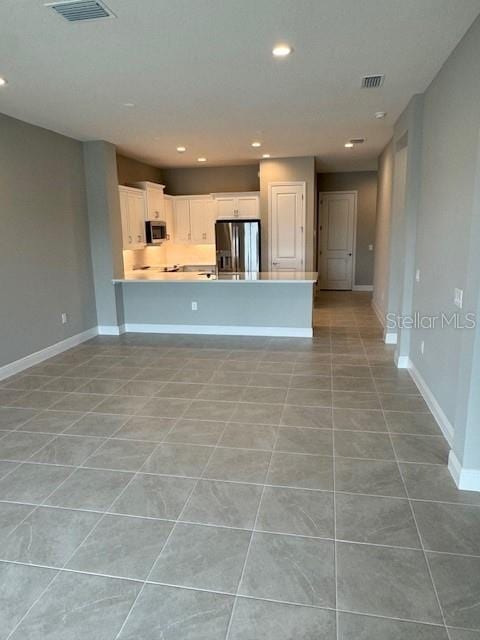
<point x="205" y="488"/>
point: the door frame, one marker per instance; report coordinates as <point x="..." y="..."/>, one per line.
<point x="287" y="183"/>
<point x="321" y="194"/>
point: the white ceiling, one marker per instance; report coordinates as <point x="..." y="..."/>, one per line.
<point x="201" y="73"/>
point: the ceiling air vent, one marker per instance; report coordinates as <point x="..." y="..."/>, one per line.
<point x="373" y="81"/>
<point x="357" y="140"/>
<point x="80" y="10"/>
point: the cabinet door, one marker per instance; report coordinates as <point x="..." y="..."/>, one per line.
<point x="210" y="217"/>
<point x="181" y="211"/>
<point x="226" y="207"/>
<point x="126" y="235"/>
<point x="199" y="220"/>
<point x="168" y="206"/>
<point x="155" y="204"/>
<point x="247" y="206"/>
<point x="136" y="218"/>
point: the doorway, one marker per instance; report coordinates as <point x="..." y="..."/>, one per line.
<point x="338" y="224"/>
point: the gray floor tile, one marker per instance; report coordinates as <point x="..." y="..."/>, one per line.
<point x="269" y="379"/>
<point x="21" y="445"/>
<point x="356" y="627"/>
<point x="32" y="482"/>
<point x="249" y="436"/>
<point x="154" y="496"/>
<point x="13" y="417"/>
<point x="178" y="614"/>
<point x="93" y="489"/>
<point x="94" y="424"/>
<point x="51" y="421"/>
<point x="290" y="569"/>
<point x="374" y="477"/>
<point x="457" y="580"/>
<point x="32" y="400"/>
<point x="202" y="557"/>
<point x="11" y="515"/>
<point x="354" y="371"/>
<point x="301" y="471"/>
<point x="215" y="392"/>
<point x="355" y="400"/>
<point x="369" y="578"/>
<point x="422" y="424"/>
<point x="463" y="634"/>
<point x="257" y="413"/>
<point x="452" y="528"/>
<point x="267" y="395"/>
<point x="178" y="460"/>
<point x="79" y="606"/>
<point x="298" y="440"/>
<point x="254" y="619"/>
<point x="48" y="536"/>
<point x="230" y="378"/>
<point x="353" y="384"/>
<point x="223" y="503"/>
<point x="239" y="465"/>
<point x="387" y="521"/>
<point x="26" y="382"/>
<point x="428" y="449"/>
<point x="78" y="402"/>
<point x="402" y="402"/>
<point x="402" y="386"/>
<point x="210" y="410"/>
<point x="64" y="384"/>
<point x="311" y="382"/>
<point x="311" y="417"/>
<point x="68" y="450"/>
<point x="102" y="387"/>
<point x="20" y="586"/>
<point x="363" y="444"/>
<point x="196" y="432"/>
<point x="121" y="405"/>
<point x="309" y="397"/>
<point x="296" y="511"/>
<point x="151" y="429"/>
<point x="163" y="407"/>
<point x="123" y="455"/>
<point x="359" y="419"/>
<point x="7" y="467"/>
<point x="122" y="546"/>
<point x="148" y="388"/>
<point x="434" y="482"/>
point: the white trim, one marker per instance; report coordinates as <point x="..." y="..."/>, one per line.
<point x="221" y="330"/>
<point x="379" y="313"/>
<point x="402" y="362"/>
<point x="362" y="287"/>
<point x="39" y="356"/>
<point x="465" y="479"/>
<point x="109" y="330"/>
<point x="390" y="338"/>
<point x="437" y="411"/>
<point x="321" y="194"/>
<point x="286" y="183"/>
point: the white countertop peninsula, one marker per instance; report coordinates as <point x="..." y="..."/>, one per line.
<point x="158" y="275"/>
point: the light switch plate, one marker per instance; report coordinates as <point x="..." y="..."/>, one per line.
<point x="458" y="298"/>
<point x="417" y="275"/>
<point x="370" y="247"/>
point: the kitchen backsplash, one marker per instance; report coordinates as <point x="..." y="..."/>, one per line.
<point x="169" y="254"/>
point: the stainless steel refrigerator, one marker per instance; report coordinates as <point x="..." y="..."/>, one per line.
<point x="237" y="245"/>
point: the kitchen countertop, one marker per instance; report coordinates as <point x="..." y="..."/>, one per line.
<point x="185" y="276"/>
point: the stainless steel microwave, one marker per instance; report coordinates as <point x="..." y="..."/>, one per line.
<point x="155" y="231"/>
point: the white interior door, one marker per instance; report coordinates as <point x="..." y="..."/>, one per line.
<point x="286" y="206"/>
<point x="337" y="234"/>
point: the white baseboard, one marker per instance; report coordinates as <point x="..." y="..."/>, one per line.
<point x="109" y="330"/>
<point x="390" y="338"/>
<point x="465" y="479"/>
<point x="221" y="330"/>
<point x="39" y="356"/>
<point x="379" y="313"/>
<point x="437" y="412"/>
<point x="362" y="287"/>
<point x="402" y="362"/>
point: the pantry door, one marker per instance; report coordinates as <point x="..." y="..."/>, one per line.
<point x="286" y="221"/>
<point x="338" y="215"/>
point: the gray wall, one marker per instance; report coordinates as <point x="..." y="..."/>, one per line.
<point x="201" y="180"/>
<point x="130" y="170"/>
<point x="382" y="230"/>
<point x="301" y="169"/>
<point x="45" y="266"/>
<point x="365" y="182"/>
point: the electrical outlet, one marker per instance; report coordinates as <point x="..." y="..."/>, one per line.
<point x="370" y="247"/>
<point x="417" y="275"/>
<point x="194" y="305"/>
<point x="458" y="298"/>
<point x="64" y="318"/>
<point x="422" y="346"/>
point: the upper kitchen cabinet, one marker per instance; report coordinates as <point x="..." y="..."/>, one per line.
<point x="237" y="205"/>
<point x="133" y="209"/>
<point x="194" y="220"/>
<point x="155" y="200"/>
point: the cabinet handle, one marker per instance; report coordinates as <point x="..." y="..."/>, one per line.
<point x="129" y="239"/>
<point x="189" y="236"/>
<point x="156" y="214"/>
<point x="139" y="238"/>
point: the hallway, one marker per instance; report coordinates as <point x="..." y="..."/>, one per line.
<point x="213" y="487"/>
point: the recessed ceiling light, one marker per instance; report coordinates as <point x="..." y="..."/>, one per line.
<point x="202" y="159"/>
<point x="181" y="149"/>
<point x="380" y="114"/>
<point x="281" y="50"/>
<point x="3" y="82"/>
<point x="256" y="144"/>
<point x="129" y="105"/>
<point x="348" y="145"/>
<point x="266" y="155"/>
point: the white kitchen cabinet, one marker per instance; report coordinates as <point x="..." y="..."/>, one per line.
<point x="132" y="208"/>
<point x="155" y="200"/>
<point x="237" y="205"/>
<point x="194" y="220"/>
<point x="181" y="225"/>
<point x="168" y="209"/>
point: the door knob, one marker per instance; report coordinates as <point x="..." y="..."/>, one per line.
<point x="349" y="254"/>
